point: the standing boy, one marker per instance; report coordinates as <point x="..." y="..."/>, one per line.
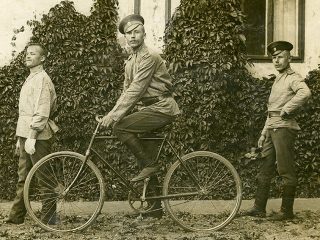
<point x="35" y="129"/>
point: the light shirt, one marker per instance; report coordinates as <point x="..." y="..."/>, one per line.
<point x="289" y="91"/>
<point x="145" y="76"/>
<point x="36" y="103"/>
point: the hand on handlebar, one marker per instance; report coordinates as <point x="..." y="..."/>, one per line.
<point x="99" y="118"/>
<point x="106" y="121"/>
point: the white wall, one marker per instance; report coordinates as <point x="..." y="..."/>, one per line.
<point x="15" y="13"/>
<point x="312" y="44"/>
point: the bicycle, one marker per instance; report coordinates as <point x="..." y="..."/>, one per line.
<point x="201" y="190"/>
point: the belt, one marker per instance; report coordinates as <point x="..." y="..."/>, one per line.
<point x="147" y="101"/>
<point x="274" y="114"/>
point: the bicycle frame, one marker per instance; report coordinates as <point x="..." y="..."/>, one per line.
<point x="127" y="184"/>
<point x="192" y="181"/>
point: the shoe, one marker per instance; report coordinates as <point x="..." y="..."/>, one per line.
<point x="254" y="212"/>
<point x="146" y="172"/>
<point x="153" y="214"/>
<point x="14" y="221"/>
<point x="282" y="216"/>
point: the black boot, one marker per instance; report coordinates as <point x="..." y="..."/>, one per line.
<point x="143" y="159"/>
<point x="153" y="189"/>
<point x="260" y="203"/>
<point x="286" y="211"/>
<point x="135" y="146"/>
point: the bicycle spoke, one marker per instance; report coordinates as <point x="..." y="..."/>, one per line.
<point x="49" y="202"/>
<point x="218" y="198"/>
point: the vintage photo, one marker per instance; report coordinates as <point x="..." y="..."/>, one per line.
<point x="159" y="119"/>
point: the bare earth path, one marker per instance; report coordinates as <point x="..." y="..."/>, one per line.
<point x="114" y="224"/>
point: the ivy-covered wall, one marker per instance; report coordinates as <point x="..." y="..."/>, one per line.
<point x="223" y="106"/>
<point x="85" y="64"/>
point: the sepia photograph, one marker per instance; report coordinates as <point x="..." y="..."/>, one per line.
<point x="160" y="119"/>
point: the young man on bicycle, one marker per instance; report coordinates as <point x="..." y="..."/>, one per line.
<point x="289" y="92"/>
<point x="34" y="128"/>
<point x="148" y="83"/>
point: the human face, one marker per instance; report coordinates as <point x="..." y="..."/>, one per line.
<point x="34" y="56"/>
<point x="135" y="38"/>
<point x="281" y="61"/>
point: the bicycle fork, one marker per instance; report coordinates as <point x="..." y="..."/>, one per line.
<point x="64" y="193"/>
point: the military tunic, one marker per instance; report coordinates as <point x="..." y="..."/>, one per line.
<point x="147" y="85"/>
<point x="146" y="77"/>
<point x="289" y="92"/>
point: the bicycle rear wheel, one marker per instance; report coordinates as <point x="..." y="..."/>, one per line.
<point x="51" y="205"/>
<point x="213" y="202"/>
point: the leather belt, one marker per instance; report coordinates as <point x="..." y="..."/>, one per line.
<point x="274" y="114"/>
<point x="147" y="101"/>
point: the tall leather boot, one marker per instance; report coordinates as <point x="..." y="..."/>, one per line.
<point x="144" y="160"/>
<point x="260" y="203"/>
<point x="154" y="189"/>
<point x="136" y="147"/>
<point x="286" y="211"/>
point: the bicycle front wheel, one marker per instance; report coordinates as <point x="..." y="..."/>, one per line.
<point x="204" y="193"/>
<point x="59" y="201"/>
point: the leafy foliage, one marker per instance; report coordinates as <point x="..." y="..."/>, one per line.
<point x="85" y="64"/>
<point x="223" y="106"/>
<point x="308" y="144"/>
<point x="221" y="102"/>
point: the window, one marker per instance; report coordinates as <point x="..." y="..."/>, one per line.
<point x="156" y="13"/>
<point x="272" y="20"/>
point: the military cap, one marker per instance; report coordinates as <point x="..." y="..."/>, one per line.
<point x="277" y="47"/>
<point x="130" y="22"/>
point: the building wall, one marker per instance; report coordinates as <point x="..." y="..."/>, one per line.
<point x="15" y="13"/>
<point x="312" y="44"/>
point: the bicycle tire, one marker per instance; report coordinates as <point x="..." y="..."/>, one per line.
<point x="214" y="205"/>
<point x="46" y="200"/>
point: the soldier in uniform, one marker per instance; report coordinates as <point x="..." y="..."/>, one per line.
<point x="147" y="82"/>
<point x="289" y="92"/>
<point x="35" y="129"/>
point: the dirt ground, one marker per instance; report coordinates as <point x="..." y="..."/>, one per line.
<point x="114" y="224"/>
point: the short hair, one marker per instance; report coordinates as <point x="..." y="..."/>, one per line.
<point x="44" y="50"/>
<point x="288" y="53"/>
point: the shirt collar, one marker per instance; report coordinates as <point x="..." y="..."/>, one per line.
<point x="36" y="70"/>
<point x="287" y="71"/>
<point x="139" y="49"/>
